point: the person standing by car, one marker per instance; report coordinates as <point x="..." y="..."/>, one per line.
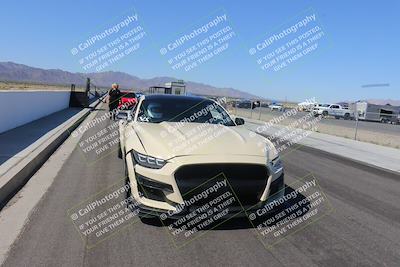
<point x="113" y="97"/>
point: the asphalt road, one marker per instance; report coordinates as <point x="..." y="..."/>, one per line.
<point x="363" y="229"/>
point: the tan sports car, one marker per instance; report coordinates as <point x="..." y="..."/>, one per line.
<point x="172" y="145"/>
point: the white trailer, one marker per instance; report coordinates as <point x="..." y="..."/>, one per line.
<point x="378" y="113"/>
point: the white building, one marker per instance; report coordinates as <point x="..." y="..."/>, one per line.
<point x="174" y="88"/>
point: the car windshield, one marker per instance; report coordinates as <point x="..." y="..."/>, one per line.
<point x="183" y="110"/>
<point x="325" y="105"/>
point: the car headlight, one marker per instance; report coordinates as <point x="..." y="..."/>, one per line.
<point x="148" y="161"/>
<point x="276" y="165"/>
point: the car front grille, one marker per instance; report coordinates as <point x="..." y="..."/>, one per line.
<point x="248" y="181"/>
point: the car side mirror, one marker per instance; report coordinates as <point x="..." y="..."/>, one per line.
<point x="239" y="121"/>
<point x="122" y="116"/>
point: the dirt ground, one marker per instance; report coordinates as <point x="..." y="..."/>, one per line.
<point x="7" y="86"/>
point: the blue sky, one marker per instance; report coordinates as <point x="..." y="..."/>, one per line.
<point x="360" y="46"/>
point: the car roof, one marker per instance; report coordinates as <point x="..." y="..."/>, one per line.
<point x="175" y="97"/>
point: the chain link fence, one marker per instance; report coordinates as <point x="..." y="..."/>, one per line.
<point x="384" y="129"/>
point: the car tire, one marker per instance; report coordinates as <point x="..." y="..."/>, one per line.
<point x="125" y="169"/>
<point x="325" y="113"/>
<point x="128" y="191"/>
<point x="346" y="116"/>
<point x="119" y="150"/>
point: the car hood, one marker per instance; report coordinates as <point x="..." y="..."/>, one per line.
<point x="171" y="139"/>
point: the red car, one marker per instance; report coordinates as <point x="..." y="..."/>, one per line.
<point x="127" y="100"/>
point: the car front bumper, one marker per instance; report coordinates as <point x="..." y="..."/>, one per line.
<point x="234" y="211"/>
<point x="164" y="200"/>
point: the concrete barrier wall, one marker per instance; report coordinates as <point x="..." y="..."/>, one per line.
<point x="20" y="107"/>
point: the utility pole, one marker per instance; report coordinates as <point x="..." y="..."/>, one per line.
<point x="356" y="116"/>
<point x="251" y="109"/>
<point x="236" y="104"/>
<point x="87" y="86"/>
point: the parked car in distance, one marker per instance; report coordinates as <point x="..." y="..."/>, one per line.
<point x="127" y="100"/>
<point x="255" y="104"/>
<point x="320" y="109"/>
<point x="334" y="110"/>
<point x="306" y="106"/>
<point x="243" y="104"/>
<point x="276" y="106"/>
<point x="391" y="119"/>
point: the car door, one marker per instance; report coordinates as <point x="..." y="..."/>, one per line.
<point x="334" y="110"/>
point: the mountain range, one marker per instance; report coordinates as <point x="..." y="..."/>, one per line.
<point x="384" y="102"/>
<point x="10" y="71"/>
